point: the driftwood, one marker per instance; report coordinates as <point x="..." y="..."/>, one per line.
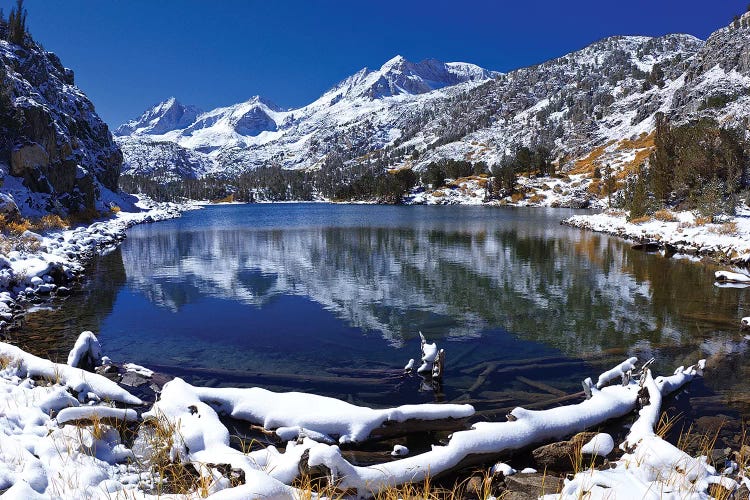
<point x="490" y="442"/>
<point x="269" y="377"/>
<point x="542" y="386"/>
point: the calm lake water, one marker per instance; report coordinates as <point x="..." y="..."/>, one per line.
<point x="330" y="299"/>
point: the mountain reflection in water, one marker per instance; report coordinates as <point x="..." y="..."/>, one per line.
<point x="341" y="291"/>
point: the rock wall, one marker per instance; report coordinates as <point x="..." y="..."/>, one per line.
<point x="50" y="134"/>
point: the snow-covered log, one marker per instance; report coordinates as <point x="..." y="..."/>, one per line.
<point x="90" y="413"/>
<point x="651" y="467"/>
<point x="731" y="277"/>
<point x="75" y="379"/>
<point x="86" y="353"/>
<point x="344" y="422"/>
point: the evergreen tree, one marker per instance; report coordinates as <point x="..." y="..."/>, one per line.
<point x="17" y="24"/>
<point x="636" y="196"/>
<point x="610" y="183"/>
<point x="662" y="160"/>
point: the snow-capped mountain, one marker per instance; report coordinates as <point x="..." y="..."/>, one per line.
<point x="164" y="117"/>
<point x="601" y="99"/>
<point x="56" y="154"/>
<point x="236" y="137"/>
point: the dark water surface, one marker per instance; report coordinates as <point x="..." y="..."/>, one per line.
<point x="329" y="299"/>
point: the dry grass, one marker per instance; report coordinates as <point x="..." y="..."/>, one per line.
<point x="227" y="199"/>
<point x="665" y="216"/>
<point x="643" y="145"/>
<point x="23" y="244"/>
<point x="115" y="209"/>
<point x="640" y="220"/>
<point x="13" y="225"/>
<point x="6" y="361"/>
<point x="538" y="198"/>
<point x="727" y="228"/>
<point x="702" y="221"/>
<point x="173" y="477"/>
<point x="50" y="222"/>
<point x="588" y="164"/>
<point x="516" y="197"/>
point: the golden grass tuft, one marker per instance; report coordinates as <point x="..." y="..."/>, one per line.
<point x="702" y="221"/>
<point x="728" y="228"/>
<point x="538" y="198"/>
<point x="50" y="222"/>
<point x="665" y="216"/>
<point x="227" y="199"/>
<point x="640" y="220"/>
<point x="516" y="197"/>
<point x="588" y="164"/>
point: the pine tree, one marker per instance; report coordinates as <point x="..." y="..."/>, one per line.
<point x="610" y="183"/>
<point x="637" y="196"/>
<point x="662" y="160"/>
<point x="17" y="24"/>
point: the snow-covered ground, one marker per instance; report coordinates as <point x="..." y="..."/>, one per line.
<point x="571" y="191"/>
<point x="727" y="241"/>
<point x="64" y="434"/>
<point x="57" y="257"/>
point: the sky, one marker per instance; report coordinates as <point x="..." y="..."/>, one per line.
<point x="131" y="54"/>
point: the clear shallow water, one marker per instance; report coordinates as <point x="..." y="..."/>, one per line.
<point x="329" y="299"/>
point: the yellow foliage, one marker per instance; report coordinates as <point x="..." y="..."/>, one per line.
<point x="665" y="215"/>
<point x="49" y="222"/>
<point x="640" y="220"/>
<point x="227" y="199"/>
<point x="726" y="228"/>
<point x="537" y="198"/>
<point x="588" y="164"/>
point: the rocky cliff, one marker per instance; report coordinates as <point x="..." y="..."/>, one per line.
<point x="55" y="151"/>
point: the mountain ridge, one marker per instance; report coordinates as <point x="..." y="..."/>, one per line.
<point x="601" y="95"/>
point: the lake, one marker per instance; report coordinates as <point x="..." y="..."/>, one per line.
<point x="330" y="299"/>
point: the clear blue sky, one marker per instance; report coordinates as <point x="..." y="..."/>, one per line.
<point x="128" y="55"/>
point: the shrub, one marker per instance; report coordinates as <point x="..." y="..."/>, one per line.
<point x="50" y="222"/>
<point x="726" y="228"/>
<point x="640" y="220"/>
<point x="665" y="215"/>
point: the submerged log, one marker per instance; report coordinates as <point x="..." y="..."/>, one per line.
<point x="487" y="441"/>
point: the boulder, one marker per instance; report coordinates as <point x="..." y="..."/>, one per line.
<point x="27" y="157"/>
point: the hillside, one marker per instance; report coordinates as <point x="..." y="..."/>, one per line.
<point x="56" y="154"/>
<point x="588" y="110"/>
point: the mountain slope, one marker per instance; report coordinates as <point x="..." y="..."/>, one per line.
<point x="52" y="143"/>
<point x="255" y="132"/>
<point x="591" y="108"/>
<point x="164" y="117"/>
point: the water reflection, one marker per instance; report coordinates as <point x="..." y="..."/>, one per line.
<point x="576" y="291"/>
<point x="338" y="293"/>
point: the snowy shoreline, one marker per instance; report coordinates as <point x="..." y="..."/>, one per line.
<point x="728" y="241"/>
<point x="28" y="277"/>
<point x="70" y="433"/>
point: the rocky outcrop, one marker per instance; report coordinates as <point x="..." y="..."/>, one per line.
<point x="50" y="135"/>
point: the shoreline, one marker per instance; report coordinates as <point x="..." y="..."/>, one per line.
<point x="29" y="278"/>
<point x="678" y="233"/>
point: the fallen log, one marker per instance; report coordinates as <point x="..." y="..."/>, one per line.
<point x="485" y="441"/>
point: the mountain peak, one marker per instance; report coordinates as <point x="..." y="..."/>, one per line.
<point x="394" y="61"/>
<point x="258" y="99"/>
<point x="161" y="118"/>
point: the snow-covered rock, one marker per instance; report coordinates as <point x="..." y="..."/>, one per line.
<point x="58" y="147"/>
